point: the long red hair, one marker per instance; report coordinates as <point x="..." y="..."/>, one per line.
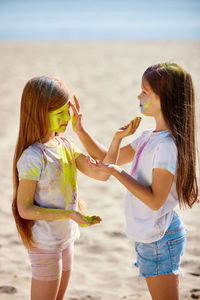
<point x="40" y="96"/>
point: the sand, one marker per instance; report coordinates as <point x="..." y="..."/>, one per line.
<point x="105" y="77"/>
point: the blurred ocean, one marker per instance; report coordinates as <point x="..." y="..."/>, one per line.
<point x="99" y="19"/>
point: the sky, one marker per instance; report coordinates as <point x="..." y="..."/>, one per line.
<point x="99" y="19"/>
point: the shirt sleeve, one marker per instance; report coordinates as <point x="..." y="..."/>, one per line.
<point x="166" y="157"/>
<point x="75" y="150"/>
<point x="71" y="147"/>
<point x="29" y="165"/>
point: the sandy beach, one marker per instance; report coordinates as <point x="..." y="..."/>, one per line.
<point x="106" y="78"/>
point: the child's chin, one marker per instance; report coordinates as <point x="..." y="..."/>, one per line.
<point x="144" y="113"/>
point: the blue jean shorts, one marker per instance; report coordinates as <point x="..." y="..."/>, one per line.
<point x="164" y="255"/>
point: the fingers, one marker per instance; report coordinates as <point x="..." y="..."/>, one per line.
<point x="92" y="161"/>
<point x="96" y="219"/>
<point x="124" y="127"/>
<point x="75" y="111"/>
<point x="97" y="163"/>
<point x="135" y="123"/>
<point x="76" y="116"/>
<point x="76" y="103"/>
<point x="91" y="220"/>
<point x="130" y="127"/>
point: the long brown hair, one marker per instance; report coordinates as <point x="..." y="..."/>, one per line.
<point x="175" y="88"/>
<point x="40" y="96"/>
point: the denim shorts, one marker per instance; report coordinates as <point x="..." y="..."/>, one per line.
<point x="164" y="255"/>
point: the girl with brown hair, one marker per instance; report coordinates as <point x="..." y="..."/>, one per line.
<point x="163" y="174"/>
<point x="45" y="201"/>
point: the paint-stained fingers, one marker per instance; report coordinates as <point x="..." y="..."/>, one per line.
<point x="75" y="111"/>
<point x="76" y="103"/>
<point x="138" y="122"/>
<point x="92" y="220"/>
<point x="96" y="219"/>
<point x="135" y="123"/>
<point x="124" y="127"/>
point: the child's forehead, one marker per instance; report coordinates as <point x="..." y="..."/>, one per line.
<point x="64" y="107"/>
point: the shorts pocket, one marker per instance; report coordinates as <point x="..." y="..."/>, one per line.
<point x="176" y="248"/>
<point x="146" y="259"/>
<point x="146" y="251"/>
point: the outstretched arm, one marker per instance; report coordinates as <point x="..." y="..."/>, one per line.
<point x="112" y="154"/>
<point x="111" y="157"/>
<point x="153" y="196"/>
<point x="28" y="210"/>
<point x="98" y="152"/>
<point x="92" y="146"/>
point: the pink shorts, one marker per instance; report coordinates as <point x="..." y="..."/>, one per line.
<point x="48" y="265"/>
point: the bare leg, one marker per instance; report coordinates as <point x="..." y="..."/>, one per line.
<point x="44" y="290"/>
<point x="164" y="287"/>
<point x="63" y="284"/>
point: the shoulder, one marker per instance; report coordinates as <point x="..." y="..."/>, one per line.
<point x="168" y="144"/>
<point x="32" y="150"/>
<point x="165" y="155"/>
<point x="70" y="146"/>
<point x="30" y="164"/>
<point x="145" y="134"/>
<point x="66" y="142"/>
<point x="32" y="153"/>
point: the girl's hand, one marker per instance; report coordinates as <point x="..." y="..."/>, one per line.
<point x="84" y="220"/>
<point x="128" y="129"/>
<point x="98" y="165"/>
<point x="76" y="116"/>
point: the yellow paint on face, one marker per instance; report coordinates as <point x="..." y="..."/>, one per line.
<point x="59" y="118"/>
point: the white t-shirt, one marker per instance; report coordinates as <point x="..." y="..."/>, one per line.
<point x="55" y="170"/>
<point x="152" y="150"/>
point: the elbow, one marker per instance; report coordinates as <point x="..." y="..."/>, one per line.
<point x="24" y="213"/>
<point x="155" y="207"/>
<point x="105" y="177"/>
<point x="102" y="176"/>
<point x="100" y="156"/>
<point x="157" y="204"/>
